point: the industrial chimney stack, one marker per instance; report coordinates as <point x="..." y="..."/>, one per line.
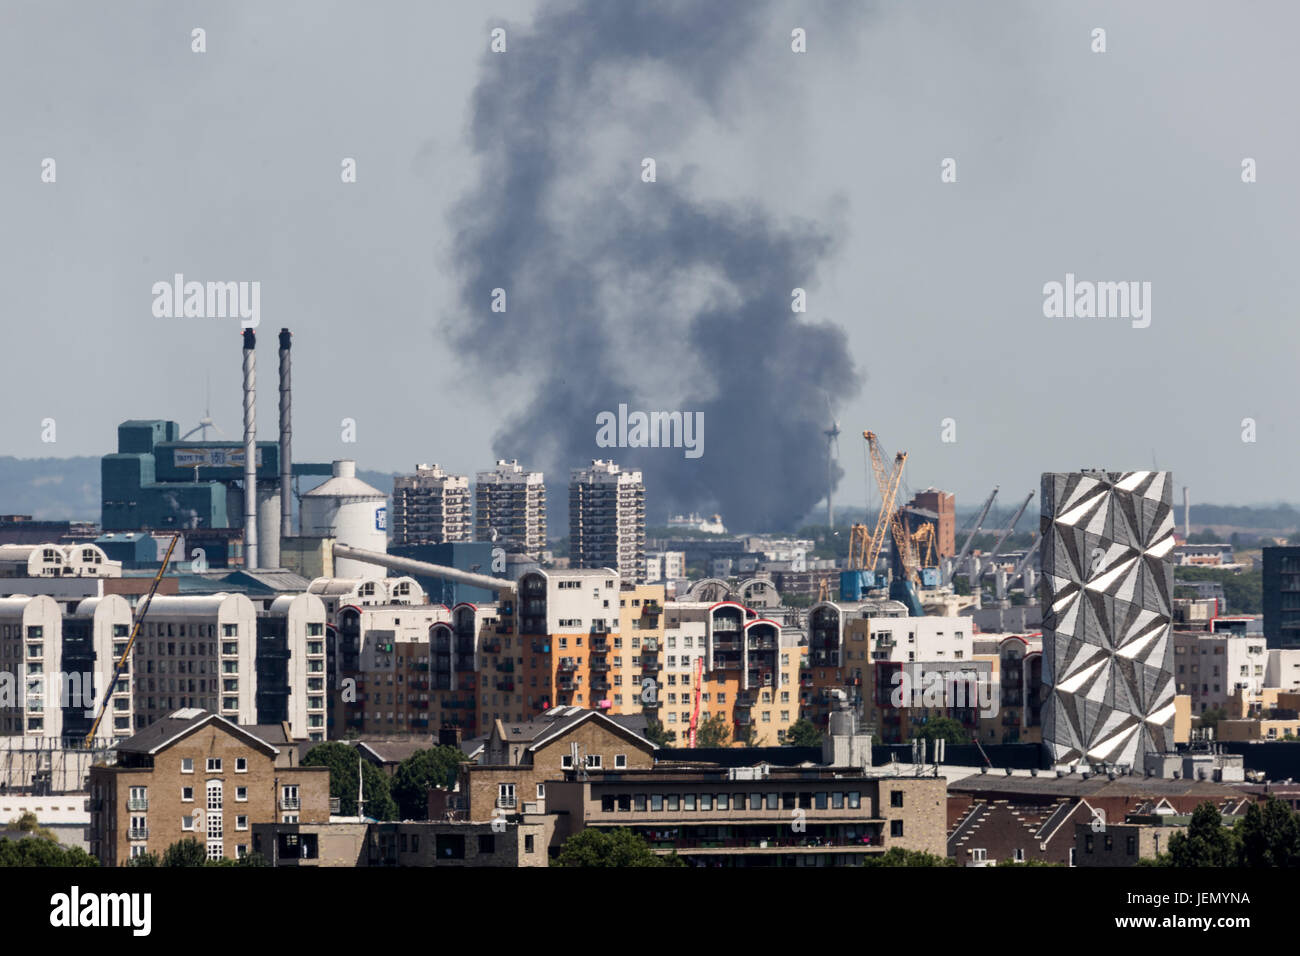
<point x="286" y="436"/>
<point x="250" y="450"/>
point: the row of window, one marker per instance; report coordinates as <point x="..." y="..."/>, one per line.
<point x="770" y="800"/>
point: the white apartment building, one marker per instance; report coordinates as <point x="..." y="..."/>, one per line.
<point x="1283" y="669"/>
<point x="291" y="665"/>
<point x="1211" y="667"/>
<point x="95" y="637"/>
<point x="31" y="638"/>
<point x="664" y="566"/>
<point x="430" y="507"/>
<point x="197" y="652"/>
<point x="607" y="519"/>
<point x="56" y="560"/>
<point x="510" y="508"/>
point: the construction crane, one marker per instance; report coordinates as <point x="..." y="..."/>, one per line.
<point x="888" y="482"/>
<point x="135" y="630"/>
<point x="923" y="538"/>
<point x="970" y="538"/>
<point x="1022" y="564"/>
<point x="1010" y="529"/>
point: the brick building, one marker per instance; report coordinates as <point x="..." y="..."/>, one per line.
<point x="196" y="774"/>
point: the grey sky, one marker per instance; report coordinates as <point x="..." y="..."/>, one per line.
<point x="1115" y="166"/>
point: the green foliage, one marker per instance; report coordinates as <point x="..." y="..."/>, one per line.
<point x="714" y="732"/>
<point x="342" y="761"/>
<point x="144" y="860"/>
<point x="897" y="856"/>
<point x="418" y="773"/>
<point x="1212" y="716"/>
<point x="1028" y="863"/>
<point x="188" y="852"/>
<point x="801" y="600"/>
<point x="248" y="859"/>
<point x="944" y="728"/>
<point x="656" y="734"/>
<point x="961" y="586"/>
<point x="27" y="823"/>
<point x="39" y="851"/>
<point x="1244" y="590"/>
<point x="1207" y="842"/>
<point x="620" y="847"/>
<point x="803" y="733"/>
<point x="1269" y="836"/>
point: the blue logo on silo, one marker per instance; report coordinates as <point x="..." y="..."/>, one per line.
<point x="381" y="519"/>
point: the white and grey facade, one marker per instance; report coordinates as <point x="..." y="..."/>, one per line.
<point x="1107" y="586"/>
<point x="430" y="507"/>
<point x="510" y="508"/>
<point x="607" y="519"/>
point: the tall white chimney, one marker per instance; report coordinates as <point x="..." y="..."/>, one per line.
<point x="250" y="450"/>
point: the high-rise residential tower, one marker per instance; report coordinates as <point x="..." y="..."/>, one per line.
<point x="607" y="519"/>
<point x="430" y="507"/>
<point x="510" y="508"/>
<point x="1107" y="591"/>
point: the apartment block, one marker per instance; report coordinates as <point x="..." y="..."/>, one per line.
<point x="510" y="508"/>
<point x="607" y="519"/>
<point x="430" y="507"/>
<point x="513" y="843"/>
<point x="665" y="566"/>
<point x="1211" y="668"/>
<point x="512" y="772"/>
<point x="95" y="638"/>
<point x="742" y="817"/>
<point x="1282" y="597"/>
<point x="196" y="774"/>
<point x="197" y="652"/>
<point x="568" y="620"/>
<point x="291" y="666"/>
<point x="31" y="639"/>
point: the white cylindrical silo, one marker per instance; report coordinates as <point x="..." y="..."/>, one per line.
<point x="351" y="512"/>
<point x="268" y="527"/>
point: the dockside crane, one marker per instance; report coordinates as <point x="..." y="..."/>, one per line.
<point x="868" y="550"/>
<point x="135" y="630"/>
<point x="1010" y="528"/>
<point x="955" y="563"/>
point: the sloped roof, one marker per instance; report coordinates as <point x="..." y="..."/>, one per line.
<point x="181" y="723"/>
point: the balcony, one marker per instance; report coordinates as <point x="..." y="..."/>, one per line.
<point x="650" y="664"/>
<point x="540" y="648"/>
<point x="507" y="803"/>
<point x="137" y="803"/>
<point x="138" y="833"/>
<point x="599" y="664"/>
<point x="568" y="663"/>
<point x="290" y="803"/>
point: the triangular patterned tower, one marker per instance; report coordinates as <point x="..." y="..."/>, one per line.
<point x="1107" y="592"/>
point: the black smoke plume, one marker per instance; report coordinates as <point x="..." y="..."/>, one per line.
<point x="621" y="291"/>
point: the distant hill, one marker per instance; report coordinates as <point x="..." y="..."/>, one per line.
<point x="58" y="489"/>
<point x="50" y="489"/>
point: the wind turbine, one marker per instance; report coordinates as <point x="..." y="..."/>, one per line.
<point x="206" y="421"/>
<point x="832" y="455"/>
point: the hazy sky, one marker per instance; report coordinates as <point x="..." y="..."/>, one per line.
<point x="225" y="165"/>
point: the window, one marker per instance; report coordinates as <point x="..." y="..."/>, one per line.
<point x="979" y="856"/>
<point x="895" y="798"/>
<point x="593" y="761"/>
<point x="541" y="791"/>
<point x="187" y="794"/>
<point x="241" y="823"/>
<point x="895" y="828"/>
<point x="187" y="823"/>
<point x="241" y="794"/>
<point x="241" y="765"/>
<point x="566" y="762"/>
<point x="620" y="761"/>
<point x="487" y="843"/>
<point x="528" y="843"/>
<point x="214" y="765"/>
<point x="505" y="795"/>
<point x="214" y="796"/>
<point x="1020" y="856"/>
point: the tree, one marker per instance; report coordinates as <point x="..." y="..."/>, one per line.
<point x="1211" y="717"/>
<point x="421" y="772"/>
<point x="656" y="734"/>
<point x="1028" y="862"/>
<point x="897" y="856"/>
<point x="714" y="732"/>
<point x="1269" y="836"/>
<point x="803" y="733"/>
<point x="944" y="728"/>
<point x="342" y="761"/>
<point x="188" y="852"/>
<point x="26" y="822"/>
<point x="144" y="860"/>
<point x="620" y="847"/>
<point x="1206" y="843"/>
<point x="38" y="851"/>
